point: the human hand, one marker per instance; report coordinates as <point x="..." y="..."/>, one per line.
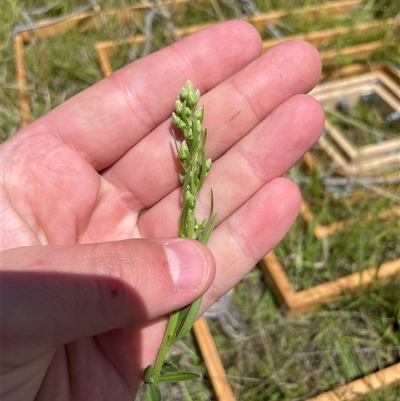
<point x="85" y="281"/>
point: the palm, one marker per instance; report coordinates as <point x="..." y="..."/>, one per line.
<point x="90" y="167"/>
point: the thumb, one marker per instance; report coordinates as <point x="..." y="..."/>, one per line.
<point x="58" y="294"/>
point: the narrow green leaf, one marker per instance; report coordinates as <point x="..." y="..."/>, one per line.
<point x="183" y="313"/>
<point x="153" y="392"/>
<point x="182" y="316"/>
<point x="195" y="140"/>
<point x="203" y="169"/>
<point x="183" y="221"/>
<point x="206" y="233"/>
<point x="175" y="142"/>
<point x="204" y="138"/>
<point x="172" y="327"/>
<point x="189" y="319"/>
<point x="148" y="372"/>
<point x="178" y="377"/>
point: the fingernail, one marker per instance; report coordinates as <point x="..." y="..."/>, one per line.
<point x="186" y="265"/>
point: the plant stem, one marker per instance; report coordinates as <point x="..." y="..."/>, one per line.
<point x="196" y="167"/>
<point x="173" y="319"/>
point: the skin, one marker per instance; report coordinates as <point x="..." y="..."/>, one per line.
<point x="85" y="279"/>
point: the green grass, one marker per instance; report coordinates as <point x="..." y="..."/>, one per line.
<point x="277" y="358"/>
<point x="309" y="261"/>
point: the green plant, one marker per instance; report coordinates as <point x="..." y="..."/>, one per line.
<point x="196" y="167"/>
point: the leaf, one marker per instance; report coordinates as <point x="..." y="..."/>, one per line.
<point x="178" y="377"/>
<point x="153" y="392"/>
<point x="175" y="142"/>
<point x="172" y="327"/>
<point x="168" y="367"/>
<point x="188" y="318"/>
<point x="203" y="169"/>
<point x="204" y="236"/>
<point x="206" y="233"/>
<point x="148" y="372"/>
<point x="204" y="138"/>
<point x="183" y="222"/>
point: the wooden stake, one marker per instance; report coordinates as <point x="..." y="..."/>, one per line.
<point x="21" y="78"/>
<point x="216" y="372"/>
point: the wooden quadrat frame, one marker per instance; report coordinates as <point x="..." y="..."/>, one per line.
<point x="304" y="301"/>
<point x="298" y="302"/>
<point x="358" y="389"/>
<point x="370" y="159"/>
<point x="107" y="49"/>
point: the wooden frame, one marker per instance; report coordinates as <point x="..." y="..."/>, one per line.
<point x="92" y="20"/>
<point x="298" y="302"/>
<point x="327" y="36"/>
<point x="358" y="389"/>
<point x="209" y="352"/>
<point x="370" y="159"/>
<point x="106" y="49"/>
<point x="295" y="303"/>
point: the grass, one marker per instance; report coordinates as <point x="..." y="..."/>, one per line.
<point x="277" y="357"/>
<point x="291" y="359"/>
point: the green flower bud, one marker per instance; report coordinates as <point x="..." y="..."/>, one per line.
<point x="184" y="93"/>
<point x="199" y="114"/>
<point x="178" y="122"/>
<point x="187" y="113"/>
<point x="190" y="199"/>
<point x="208" y="165"/>
<point x="197" y="126"/>
<point x="182" y="176"/>
<point x="184" y="152"/>
<point x="189" y="134"/>
<point x="193" y="98"/>
<point x="179" y="106"/>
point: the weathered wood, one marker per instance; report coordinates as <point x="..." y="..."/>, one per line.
<point x="90" y="20"/>
<point x="104" y="61"/>
<point x="258" y="21"/>
<point x="391" y="98"/>
<point x="360" y="51"/>
<point x="360" y="388"/>
<point x="308" y="13"/>
<point x="215" y="369"/>
<point x="341" y="140"/>
<point x="313" y="298"/>
<point x="327" y="36"/>
<point x="21" y="79"/>
<point x="370" y="159"/>
<point x="276" y="278"/>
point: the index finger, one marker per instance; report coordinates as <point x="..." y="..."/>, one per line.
<point x="106" y="120"/>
